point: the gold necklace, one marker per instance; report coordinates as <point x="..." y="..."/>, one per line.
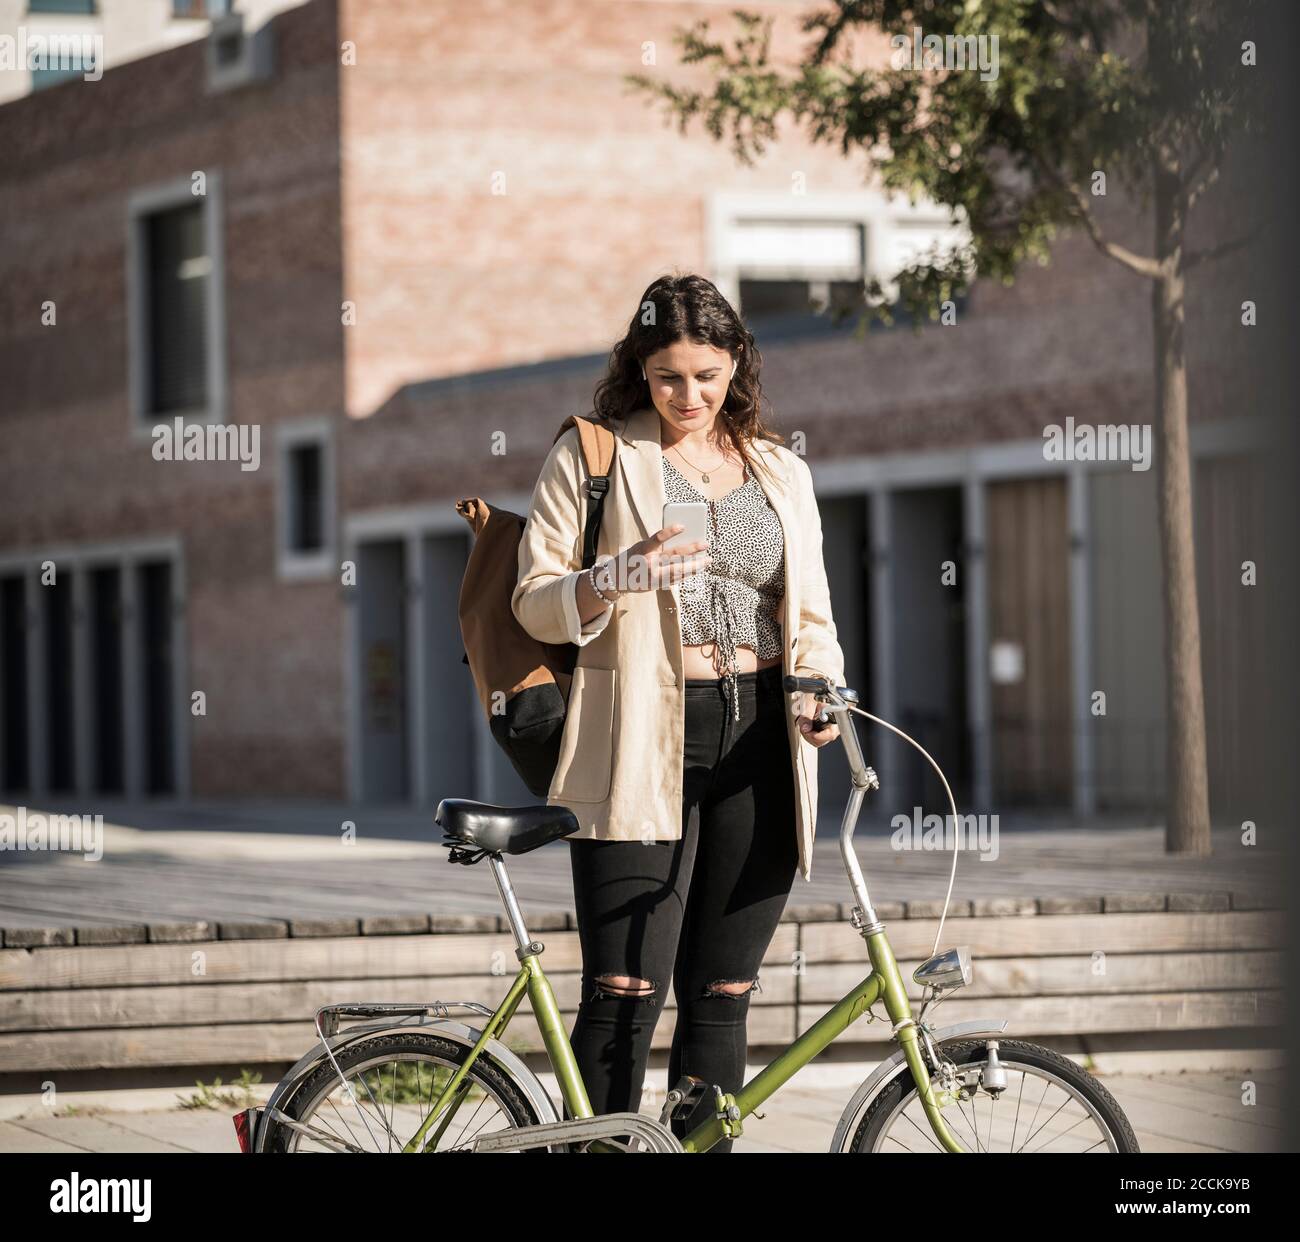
<point x="704" y="477"/>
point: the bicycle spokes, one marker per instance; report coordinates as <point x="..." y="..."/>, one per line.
<point x="385" y="1103"/>
<point x="1037" y="1112"/>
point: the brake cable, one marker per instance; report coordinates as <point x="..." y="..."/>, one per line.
<point x="952" y="802"/>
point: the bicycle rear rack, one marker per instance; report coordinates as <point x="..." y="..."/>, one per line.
<point x="327" y="1016"/>
<point x="327" y="1021"/>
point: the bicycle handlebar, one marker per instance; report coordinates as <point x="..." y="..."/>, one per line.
<point x="820" y="687"/>
<point x="811" y="685"/>
<point x="842" y="702"/>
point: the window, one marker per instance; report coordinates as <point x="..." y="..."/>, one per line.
<point x="200" y="8"/>
<point x="793" y="261"/>
<point x="178" y="272"/>
<point x="306" y="502"/>
<point x="306" y="524"/>
<point x="906" y="241"/>
<point x="176" y="311"/>
<point x="797" y="267"/>
<point x="235" y="57"/>
<point x="82" y="8"/>
<point x="792" y="296"/>
<point x="66" y="55"/>
<point x="74" y="64"/>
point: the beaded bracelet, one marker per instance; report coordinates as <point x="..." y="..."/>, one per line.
<point x="591" y="577"/>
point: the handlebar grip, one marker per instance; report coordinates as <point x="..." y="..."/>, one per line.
<point x="809" y="685"/>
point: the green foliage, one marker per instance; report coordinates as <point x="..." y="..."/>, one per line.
<point x="1132" y="88"/>
<point x="238" y="1095"/>
<point x="409" y="1082"/>
<point x="79" y="1110"/>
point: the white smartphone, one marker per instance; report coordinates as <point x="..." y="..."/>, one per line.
<point x="694" y="517"/>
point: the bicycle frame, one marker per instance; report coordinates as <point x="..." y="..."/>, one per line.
<point x="884" y="982"/>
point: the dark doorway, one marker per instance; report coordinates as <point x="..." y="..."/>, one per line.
<point x="105" y="590"/>
<point x="60" y="709"/>
<point x="846" y="552"/>
<point x="14" y="759"/>
<point x="1028" y="557"/>
<point x="929" y="580"/>
<point x="381" y="572"/>
<point x="154" y="586"/>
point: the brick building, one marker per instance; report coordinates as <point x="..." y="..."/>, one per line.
<point x="420" y="230"/>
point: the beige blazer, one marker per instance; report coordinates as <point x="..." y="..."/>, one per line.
<point x="620" y="765"/>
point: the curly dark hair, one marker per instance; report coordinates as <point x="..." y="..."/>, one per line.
<point x="688" y="307"/>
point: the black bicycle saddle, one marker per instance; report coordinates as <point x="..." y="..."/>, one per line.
<point x="503" y="829"/>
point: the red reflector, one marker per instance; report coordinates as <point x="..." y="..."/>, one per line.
<point x="245" y="1128"/>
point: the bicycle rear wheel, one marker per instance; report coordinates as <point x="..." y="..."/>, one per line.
<point x="1050" y="1104"/>
<point x="393" y="1081"/>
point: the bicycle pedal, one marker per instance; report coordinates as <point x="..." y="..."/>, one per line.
<point x="683" y="1099"/>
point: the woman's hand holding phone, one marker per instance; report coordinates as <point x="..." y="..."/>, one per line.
<point x="648" y="566"/>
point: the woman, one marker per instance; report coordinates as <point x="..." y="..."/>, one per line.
<point x="692" y="774"/>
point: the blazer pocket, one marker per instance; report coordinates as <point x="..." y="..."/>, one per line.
<point x="584" y="772"/>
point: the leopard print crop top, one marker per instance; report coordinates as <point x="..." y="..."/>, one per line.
<point x="737" y="600"/>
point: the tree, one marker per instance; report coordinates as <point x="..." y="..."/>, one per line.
<point x="1146" y="93"/>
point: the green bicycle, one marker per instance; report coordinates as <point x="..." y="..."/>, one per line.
<point x="415" y="1078"/>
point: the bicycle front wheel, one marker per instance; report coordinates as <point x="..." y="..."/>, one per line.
<point x="1049" y="1104"/>
<point x="392" y="1081"/>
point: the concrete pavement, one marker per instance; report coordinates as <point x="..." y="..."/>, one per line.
<point x="1191" y="1111"/>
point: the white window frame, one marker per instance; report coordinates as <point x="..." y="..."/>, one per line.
<point x="879" y="215"/>
<point x="255" y="60"/>
<point x="291" y="565"/>
<point x="142" y="204"/>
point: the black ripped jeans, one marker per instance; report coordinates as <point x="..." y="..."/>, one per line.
<point x="700" y="911"/>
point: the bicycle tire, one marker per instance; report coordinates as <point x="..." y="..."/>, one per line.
<point x="484" y="1073"/>
<point x="962" y="1052"/>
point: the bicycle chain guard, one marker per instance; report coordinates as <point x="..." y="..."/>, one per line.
<point x="608" y="1127"/>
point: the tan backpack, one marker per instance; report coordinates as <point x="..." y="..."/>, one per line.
<point x="523" y="684"/>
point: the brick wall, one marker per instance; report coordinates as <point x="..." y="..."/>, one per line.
<point x="267" y="655"/>
<point x="373" y="183"/>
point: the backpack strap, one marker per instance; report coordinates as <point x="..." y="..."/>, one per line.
<point x="598" y="456"/>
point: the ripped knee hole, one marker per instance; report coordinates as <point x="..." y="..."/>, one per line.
<point x="625" y="986"/>
<point x="732" y="987"/>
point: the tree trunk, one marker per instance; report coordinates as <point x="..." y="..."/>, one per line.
<point x="1187" y="801"/>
